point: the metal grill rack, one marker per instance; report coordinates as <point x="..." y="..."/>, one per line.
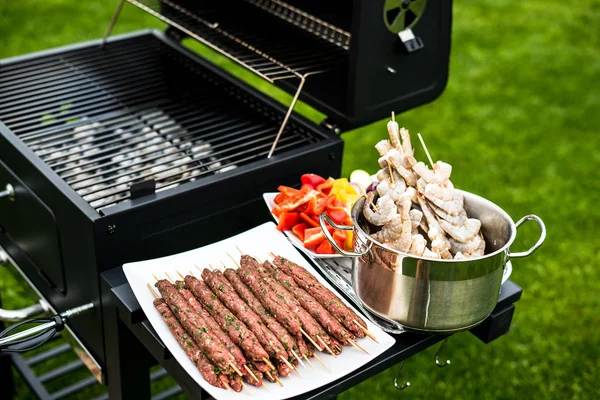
<point x="71" y="370"/>
<point x="107" y="119"/>
<point x="306" y="46"/>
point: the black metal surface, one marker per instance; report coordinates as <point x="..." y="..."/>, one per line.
<point x="407" y="344"/>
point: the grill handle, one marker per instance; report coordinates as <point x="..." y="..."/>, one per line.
<point x="34" y="337"/>
<point x="21" y="314"/>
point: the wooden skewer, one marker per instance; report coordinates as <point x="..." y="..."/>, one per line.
<point x="425" y="148"/>
<point x="181" y="275"/>
<point x="310" y="339"/>
<point x="247" y="387"/>
<point x="266" y="360"/>
<point x="369" y="334"/>
<point x="393" y="116"/>
<point x="276" y="378"/>
<point x="308" y="361"/>
<point x="155" y="277"/>
<point x="237" y="371"/>
<point x="224" y="265"/>
<point x="265" y="386"/>
<point x="327" y="347"/>
<point x="358" y="346"/>
<point x="233" y="259"/>
<point x="192" y="273"/>
<point x="250" y="372"/>
<point x="238" y="249"/>
<point x="227" y="386"/>
<point x="153" y="291"/>
<point x="322" y="363"/>
<point x="391" y="173"/>
<point x="298" y="358"/>
<point x="168" y="277"/>
<point x="198" y="268"/>
<point x="292" y="366"/>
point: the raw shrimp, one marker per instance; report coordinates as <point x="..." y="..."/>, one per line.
<point x="415" y="219"/>
<point x="462" y="233"/>
<point x="418" y="244"/>
<point x="453" y="207"/>
<point x="458" y="220"/>
<point x="473" y="246"/>
<point x="395" y="158"/>
<point x="392" y="128"/>
<point x="394" y="190"/>
<point x="406" y="146"/>
<point x="386" y="209"/>
<point x="390" y="231"/>
<point x="443" y="191"/>
<point x="383" y="147"/>
<point x="402" y="243"/>
<point x="441" y="172"/>
<point x="439" y="243"/>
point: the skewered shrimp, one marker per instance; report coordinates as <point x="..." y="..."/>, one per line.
<point x="403" y="242"/>
<point x="390" y="231"/>
<point x="394" y="190"/>
<point x="462" y="233"/>
<point x="418" y="245"/>
<point x="458" y="220"/>
<point x="395" y="158"/>
<point x="439" y="243"/>
<point x="443" y="191"/>
<point x="393" y="129"/>
<point x="386" y="209"/>
<point x="470" y="247"/>
<point x="415" y="218"/>
<point x="383" y="147"/>
<point x="406" y="146"/>
<point x="441" y="171"/>
<point x="453" y="207"/>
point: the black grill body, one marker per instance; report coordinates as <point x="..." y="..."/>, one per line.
<point x="138" y="84"/>
<point x="369" y="70"/>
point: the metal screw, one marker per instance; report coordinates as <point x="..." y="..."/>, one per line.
<point x="3" y="257"/>
<point x="337" y="131"/>
<point x="111" y="229"/>
<point x="9" y="191"/>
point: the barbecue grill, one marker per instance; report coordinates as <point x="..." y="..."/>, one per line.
<point x="134" y="147"/>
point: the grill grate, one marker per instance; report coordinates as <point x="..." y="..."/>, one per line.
<point x="137" y="110"/>
<point x="247" y="38"/>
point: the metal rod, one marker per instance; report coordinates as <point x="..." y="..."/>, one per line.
<point x="112" y="22"/>
<point x="287" y="116"/>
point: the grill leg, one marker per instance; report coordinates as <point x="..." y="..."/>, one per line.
<point x="128" y="366"/>
<point x="7" y="382"/>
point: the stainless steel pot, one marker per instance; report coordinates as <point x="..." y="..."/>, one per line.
<point x="428" y="294"/>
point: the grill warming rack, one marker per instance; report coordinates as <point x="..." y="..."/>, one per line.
<point x="269" y="59"/>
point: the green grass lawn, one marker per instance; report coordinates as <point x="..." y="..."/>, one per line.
<point x="520" y="123"/>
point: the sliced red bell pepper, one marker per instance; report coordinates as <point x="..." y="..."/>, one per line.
<point x="312" y="179"/>
<point x="309" y="220"/>
<point x="296" y="200"/>
<point x="288" y="191"/>
<point x="311" y="187"/>
<point x="340" y="237"/>
<point x="299" y="229"/>
<point x="316" y="205"/>
<point x="279" y="198"/>
<point x="338" y="216"/>
<point x="313" y="237"/>
<point x="287" y="221"/>
<point x="324" y="248"/>
<point x="326" y="186"/>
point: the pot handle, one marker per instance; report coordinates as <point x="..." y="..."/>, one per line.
<point x="536" y="246"/>
<point x="326" y="218"/>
